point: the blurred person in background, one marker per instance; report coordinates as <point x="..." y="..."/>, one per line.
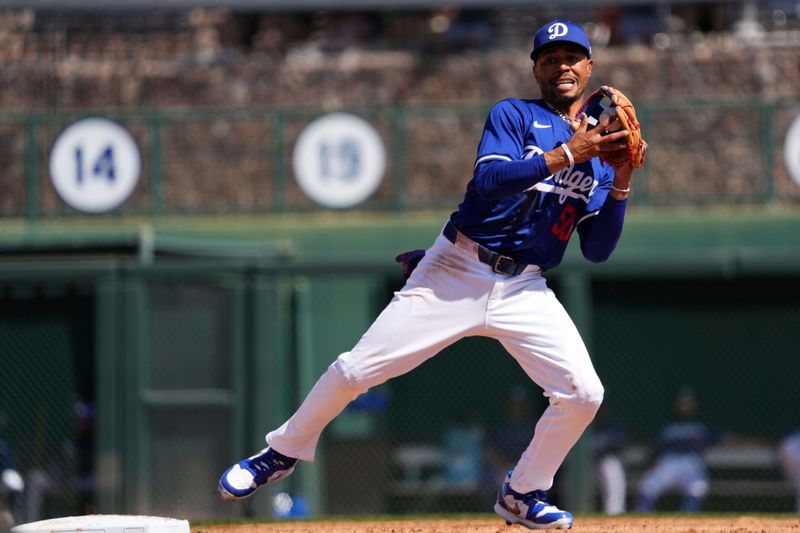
<point x="789" y="454"/>
<point x="608" y="439"/>
<point x="537" y="177"/>
<point x="12" y="483"/>
<point x="512" y="435"/>
<point x="679" y="461"/>
<point x="84" y="454"/>
<point x="462" y="450"/>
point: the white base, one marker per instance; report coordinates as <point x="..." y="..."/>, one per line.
<point x="105" y="524"/>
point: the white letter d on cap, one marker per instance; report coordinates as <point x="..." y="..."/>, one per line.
<point x="557" y="30"/>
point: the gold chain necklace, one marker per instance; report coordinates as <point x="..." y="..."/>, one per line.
<point x="561" y="114"/>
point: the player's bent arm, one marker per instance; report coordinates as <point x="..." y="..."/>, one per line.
<point x="496" y="178"/>
<point x="600" y="234"/>
<point x="556" y="159"/>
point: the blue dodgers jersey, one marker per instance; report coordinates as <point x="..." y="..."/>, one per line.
<point x="533" y="225"/>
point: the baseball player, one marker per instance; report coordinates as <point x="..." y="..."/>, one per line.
<point x="12" y="484"/>
<point x="789" y="455"/>
<point x="680" y="462"/>
<point x="609" y="438"/>
<point x="537" y="178"/>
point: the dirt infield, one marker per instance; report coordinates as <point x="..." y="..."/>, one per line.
<point x="671" y="524"/>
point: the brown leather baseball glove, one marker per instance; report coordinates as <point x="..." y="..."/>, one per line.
<point x="612" y="100"/>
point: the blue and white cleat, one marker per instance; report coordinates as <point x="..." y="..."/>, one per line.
<point x="244" y="478"/>
<point x="530" y="510"/>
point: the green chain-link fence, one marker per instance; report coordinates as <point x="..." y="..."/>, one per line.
<point x="189" y="363"/>
<point x="47" y="382"/>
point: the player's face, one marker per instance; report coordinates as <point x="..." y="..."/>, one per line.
<point x="562" y="72"/>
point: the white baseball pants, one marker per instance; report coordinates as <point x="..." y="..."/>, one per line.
<point x="451" y="295"/>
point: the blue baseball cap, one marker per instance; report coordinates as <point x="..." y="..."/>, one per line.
<point x="560" y="31"/>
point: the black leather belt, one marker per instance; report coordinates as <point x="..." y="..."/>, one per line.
<point x="502" y="264"/>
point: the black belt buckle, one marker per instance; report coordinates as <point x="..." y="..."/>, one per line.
<point x="503" y="264"/>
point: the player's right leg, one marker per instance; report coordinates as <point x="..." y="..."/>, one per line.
<point x="444" y="300"/>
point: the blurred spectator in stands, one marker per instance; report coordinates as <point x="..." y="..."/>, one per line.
<point x="84" y="455"/>
<point x="75" y="468"/>
<point x="12" y="484"/>
<point x="336" y="32"/>
<point x="608" y="438"/>
<point x="208" y="48"/>
<point x="514" y="434"/>
<point x="460" y="29"/>
<point x="638" y="24"/>
<point x="702" y="17"/>
<point x="270" y="36"/>
<point x="679" y="463"/>
<point x="789" y="453"/>
<point x="462" y="451"/>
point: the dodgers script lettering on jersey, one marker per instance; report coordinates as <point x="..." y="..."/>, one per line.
<point x="532" y="225"/>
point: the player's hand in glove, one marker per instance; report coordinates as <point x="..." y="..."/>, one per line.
<point x="590" y="141"/>
<point x="608" y="101"/>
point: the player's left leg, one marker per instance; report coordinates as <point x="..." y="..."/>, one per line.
<point x="536" y="330"/>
